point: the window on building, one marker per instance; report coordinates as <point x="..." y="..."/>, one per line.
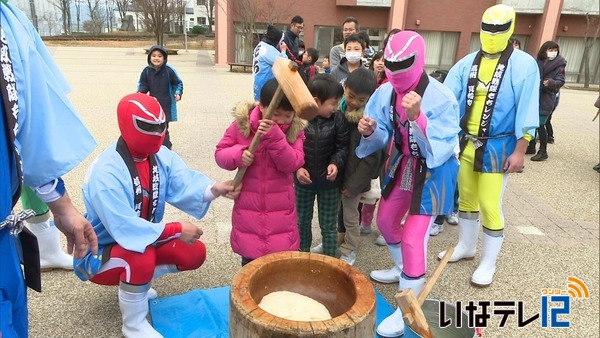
<point x="571" y="48"/>
<point x="441" y="49"/>
<point x="244" y="45"/>
<point x="201" y="2"/>
<point x="202" y="21"/>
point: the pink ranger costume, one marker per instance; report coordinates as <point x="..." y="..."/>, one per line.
<point x="264" y="215"/>
<point x="421" y="178"/>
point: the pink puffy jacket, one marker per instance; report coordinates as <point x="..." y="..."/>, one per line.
<point x="264" y="215"/>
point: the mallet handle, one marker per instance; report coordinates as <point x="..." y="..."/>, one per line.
<point x="434" y="276"/>
<point x="256" y="139"/>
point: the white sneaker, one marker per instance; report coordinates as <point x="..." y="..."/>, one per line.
<point x="350" y="259"/>
<point x="436" y="229"/>
<point x="452" y="219"/>
<point x="365" y="229"/>
<point x="317" y="249"/>
<point x="380" y="240"/>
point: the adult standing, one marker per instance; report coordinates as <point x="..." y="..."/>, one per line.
<point x="421" y="116"/>
<point x="497" y="89"/>
<point x="552" y="69"/>
<point x="34" y="151"/>
<point x="349" y="26"/>
<point x="291" y="37"/>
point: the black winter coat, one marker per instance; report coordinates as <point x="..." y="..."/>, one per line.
<point x="554" y="72"/>
<point x="326" y="143"/>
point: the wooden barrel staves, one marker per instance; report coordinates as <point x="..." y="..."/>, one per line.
<point x="345" y="291"/>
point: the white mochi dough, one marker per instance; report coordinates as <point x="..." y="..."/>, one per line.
<point x="294" y="306"/>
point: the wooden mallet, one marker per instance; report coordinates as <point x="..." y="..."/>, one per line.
<point x="411" y="306"/>
<point x="293" y="87"/>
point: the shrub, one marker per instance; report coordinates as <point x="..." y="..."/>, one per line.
<point x="199" y="30"/>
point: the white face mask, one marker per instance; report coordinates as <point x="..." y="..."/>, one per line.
<point x="552" y="55"/>
<point x="353" y="57"/>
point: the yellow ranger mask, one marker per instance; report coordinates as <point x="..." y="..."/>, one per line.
<point x="497" y="26"/>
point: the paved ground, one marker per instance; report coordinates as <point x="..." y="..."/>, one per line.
<point x="551" y="209"/>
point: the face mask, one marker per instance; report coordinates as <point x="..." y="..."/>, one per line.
<point x="142" y="123"/>
<point x="551" y="55"/>
<point x="353" y="57"/>
<point x="497" y="26"/>
<point x="404" y="59"/>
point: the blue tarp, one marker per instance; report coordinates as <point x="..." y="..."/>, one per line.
<point x="205" y="313"/>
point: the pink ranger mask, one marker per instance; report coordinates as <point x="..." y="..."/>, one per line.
<point x="404" y="59"/>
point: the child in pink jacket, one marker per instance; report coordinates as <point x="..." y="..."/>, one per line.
<point x="264" y="215"/>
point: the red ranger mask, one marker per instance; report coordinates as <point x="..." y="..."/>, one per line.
<point x="142" y="123"/>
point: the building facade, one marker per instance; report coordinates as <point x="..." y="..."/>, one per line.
<point x="450" y="27"/>
<point x="46" y="18"/>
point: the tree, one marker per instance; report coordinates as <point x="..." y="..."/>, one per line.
<point x="157" y="14"/>
<point x="122" y="7"/>
<point x="51" y="22"/>
<point x="64" y="6"/>
<point x="589" y="43"/>
<point x="210" y="12"/>
<point x="250" y="14"/>
<point x="96" y="21"/>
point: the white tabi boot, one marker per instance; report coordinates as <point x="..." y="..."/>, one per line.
<point x="468" y="233"/>
<point x="393" y="325"/>
<point x="51" y="254"/>
<point x="392" y="275"/>
<point x="490" y="248"/>
<point x="134" y="309"/>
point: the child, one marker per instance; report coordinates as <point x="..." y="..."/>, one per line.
<point x="326" y="68"/>
<point x="125" y="193"/>
<point x="326" y="150"/>
<point x="360" y="84"/>
<point x="308" y="69"/>
<point x="377" y="65"/>
<point x="162" y="81"/>
<point x="354" y="47"/>
<point x="266" y="52"/>
<point x="264" y="216"/>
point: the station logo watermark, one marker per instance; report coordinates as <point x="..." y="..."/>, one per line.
<point x="554" y="311"/>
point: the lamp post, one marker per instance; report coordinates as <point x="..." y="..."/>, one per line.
<point x="184" y="24"/>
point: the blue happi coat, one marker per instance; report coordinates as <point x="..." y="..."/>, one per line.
<point x="438" y="146"/>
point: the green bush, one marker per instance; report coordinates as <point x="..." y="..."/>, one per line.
<point x="199" y="30"/>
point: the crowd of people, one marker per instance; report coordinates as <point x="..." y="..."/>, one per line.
<point x="388" y="140"/>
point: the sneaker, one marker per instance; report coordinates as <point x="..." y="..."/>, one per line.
<point x="380" y="240"/>
<point x="540" y="156"/>
<point x="436" y="229"/>
<point x="365" y="229"/>
<point x="530" y="150"/>
<point x="350" y="259"/>
<point x="317" y="249"/>
<point x="452" y="219"/>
